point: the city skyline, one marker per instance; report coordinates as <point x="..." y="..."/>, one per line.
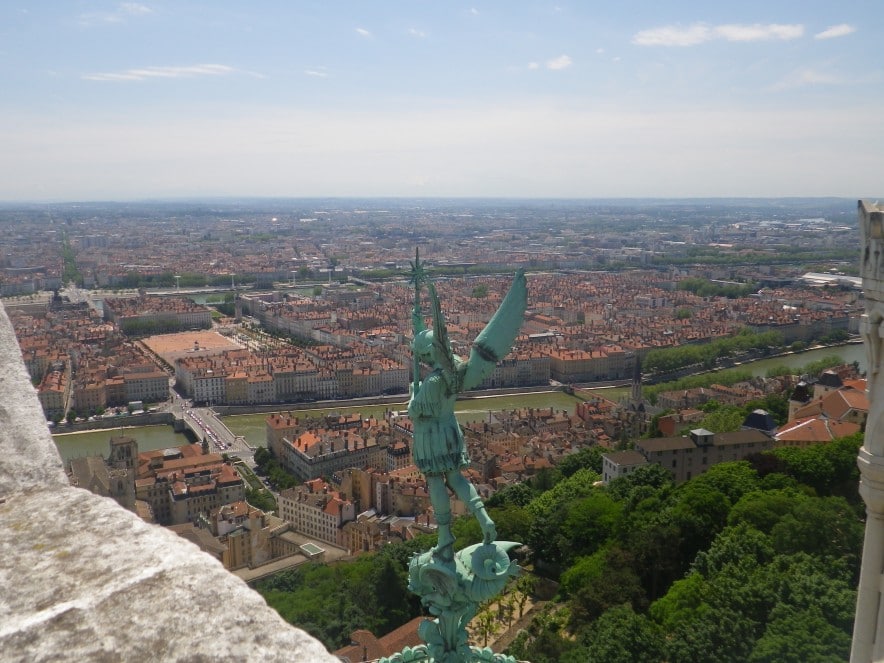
<point x="122" y="101"/>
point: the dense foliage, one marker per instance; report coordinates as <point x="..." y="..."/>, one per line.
<point x="706" y="288"/>
<point x="70" y="272"/>
<point x="268" y="466"/>
<point x="223" y="303"/>
<point x="809" y="257"/>
<point x="261" y="499"/>
<point x="332" y="601"/>
<point x="706" y="354"/>
<point x="754" y="560"/>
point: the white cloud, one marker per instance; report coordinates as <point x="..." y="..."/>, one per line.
<point x="833" y="31"/>
<point x="134" y="8"/>
<point x="561" y="62"/>
<point x="804" y="77"/>
<point x="672" y="35"/>
<point x="759" y="32"/>
<point x="533" y="66"/>
<point x="698" y="33"/>
<point x="414" y="32"/>
<point x="119" y="15"/>
<point x="317" y="73"/>
<point x="145" y="73"/>
<point x="362" y="32"/>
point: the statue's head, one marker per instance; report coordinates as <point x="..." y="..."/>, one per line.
<point x="422" y="346"/>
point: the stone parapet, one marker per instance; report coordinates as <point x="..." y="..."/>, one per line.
<point x="86" y="580"/>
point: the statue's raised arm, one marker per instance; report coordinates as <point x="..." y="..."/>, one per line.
<point x="496" y="340"/>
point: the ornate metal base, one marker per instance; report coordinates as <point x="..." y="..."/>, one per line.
<point x="452" y="590"/>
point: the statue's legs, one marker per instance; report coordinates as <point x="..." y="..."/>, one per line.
<point x="466" y="492"/>
<point x="442" y="506"/>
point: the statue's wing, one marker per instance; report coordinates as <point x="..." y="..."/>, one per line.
<point x="440" y="337"/>
<point x="496" y="340"/>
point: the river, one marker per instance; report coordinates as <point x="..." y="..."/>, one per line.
<point x="251" y="426"/>
<point x="95" y="442"/>
<point x="848" y="353"/>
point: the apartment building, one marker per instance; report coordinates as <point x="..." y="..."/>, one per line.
<point x="686" y="457"/>
<point x="55" y="389"/>
<point x="183" y="483"/>
<point x="621" y="463"/>
<point x="316" y="511"/>
<point x="318" y="452"/>
<point x="326" y="447"/>
<point x="153" y="314"/>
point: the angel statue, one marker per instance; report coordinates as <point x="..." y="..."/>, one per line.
<point x="439" y="450"/>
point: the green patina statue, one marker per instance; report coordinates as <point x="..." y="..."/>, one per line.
<point x="451" y="585"/>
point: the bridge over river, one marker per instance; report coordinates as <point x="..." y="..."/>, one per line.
<point x="204" y="423"/>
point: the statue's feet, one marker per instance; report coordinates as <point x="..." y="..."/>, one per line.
<point x="489" y="531"/>
<point x="444" y="549"/>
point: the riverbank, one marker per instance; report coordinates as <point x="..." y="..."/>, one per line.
<point x="120" y="421"/>
<point x="88" y="438"/>
<point x="755" y="358"/>
<point x="350" y="403"/>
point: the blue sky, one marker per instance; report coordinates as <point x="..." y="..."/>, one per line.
<point x="132" y="100"/>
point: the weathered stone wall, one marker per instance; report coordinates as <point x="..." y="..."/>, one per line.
<point x="85" y="580"/>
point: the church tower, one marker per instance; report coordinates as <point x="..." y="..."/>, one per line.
<point x="636" y="395"/>
<point x="123" y="452"/>
<point x="637" y="416"/>
<point x="121" y="464"/>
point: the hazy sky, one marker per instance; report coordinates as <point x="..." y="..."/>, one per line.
<point x="116" y="101"/>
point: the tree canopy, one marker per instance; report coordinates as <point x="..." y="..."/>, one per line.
<point x="750" y="561"/>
